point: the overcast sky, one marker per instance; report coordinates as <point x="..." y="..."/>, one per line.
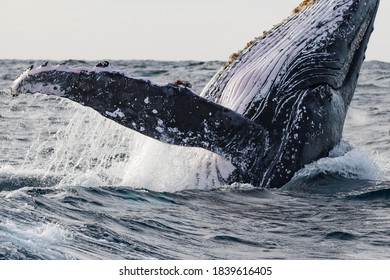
<point x="148" y="29"/>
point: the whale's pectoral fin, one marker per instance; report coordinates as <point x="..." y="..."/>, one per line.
<point x="169" y="113"/>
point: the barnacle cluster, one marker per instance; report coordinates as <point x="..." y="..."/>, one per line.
<point x="235" y="55"/>
<point x="303" y="5"/>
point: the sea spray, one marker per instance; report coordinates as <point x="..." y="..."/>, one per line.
<point x="91" y="150"/>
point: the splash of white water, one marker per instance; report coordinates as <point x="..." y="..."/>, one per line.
<point x="92" y="150"/>
<point x="346" y="161"/>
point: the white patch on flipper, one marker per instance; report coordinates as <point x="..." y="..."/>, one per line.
<point x="116" y="114"/>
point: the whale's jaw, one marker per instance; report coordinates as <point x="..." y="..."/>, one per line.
<point x="280" y="104"/>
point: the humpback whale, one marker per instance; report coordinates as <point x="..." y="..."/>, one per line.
<point x="276" y="106"/>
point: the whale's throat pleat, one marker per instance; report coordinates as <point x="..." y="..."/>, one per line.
<point x="270" y="62"/>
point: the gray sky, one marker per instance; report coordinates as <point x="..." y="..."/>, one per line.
<point x="148" y="29"/>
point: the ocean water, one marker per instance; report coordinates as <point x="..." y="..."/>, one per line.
<point x="74" y="185"/>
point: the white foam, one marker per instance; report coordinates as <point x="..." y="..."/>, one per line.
<point x="39" y="237"/>
<point x="348" y="162"/>
<point x="17" y="171"/>
<point x="92" y="150"/>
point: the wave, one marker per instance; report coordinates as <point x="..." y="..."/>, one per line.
<point x="133" y="162"/>
<point x="345" y="171"/>
<point x="88" y="150"/>
<point x="91" y="150"/>
<point x="30" y="241"/>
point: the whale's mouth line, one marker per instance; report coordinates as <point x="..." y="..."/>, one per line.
<point x="360" y="47"/>
<point x="354" y="56"/>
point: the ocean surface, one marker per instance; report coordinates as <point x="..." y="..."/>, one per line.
<point x="74" y="185"/>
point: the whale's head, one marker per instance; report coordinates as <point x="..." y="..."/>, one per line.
<point x="298" y="79"/>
